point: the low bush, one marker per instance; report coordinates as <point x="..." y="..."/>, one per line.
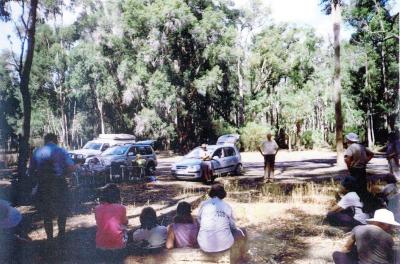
<point x="252" y="135"/>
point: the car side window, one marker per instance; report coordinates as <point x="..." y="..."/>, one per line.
<point x="229" y="152"/>
<point x="218" y="153"/>
<point x="105" y="146"/>
<point x="132" y="151"/>
<point x="141" y="150"/>
<point x="148" y="150"/>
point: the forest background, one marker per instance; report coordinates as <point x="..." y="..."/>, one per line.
<point x="186" y="72"/>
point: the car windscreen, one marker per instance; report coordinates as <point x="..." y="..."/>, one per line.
<point x="117" y="150"/>
<point x="92" y="145"/>
<point x="196" y="153"/>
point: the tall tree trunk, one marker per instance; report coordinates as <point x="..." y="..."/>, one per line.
<point x="24" y="150"/>
<point x="241" y="93"/>
<point x="383" y="67"/>
<point x="337" y="19"/>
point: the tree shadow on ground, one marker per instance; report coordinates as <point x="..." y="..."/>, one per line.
<point x="283" y="241"/>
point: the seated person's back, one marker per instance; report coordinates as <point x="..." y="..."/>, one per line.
<point x="183" y="232"/>
<point x="216" y="221"/>
<point x="110" y="220"/>
<point x="150" y="235"/>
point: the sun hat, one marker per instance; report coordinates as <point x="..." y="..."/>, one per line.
<point x="384" y="216"/>
<point x="352" y="137"/>
<point x="203" y="145"/>
<point x="9" y="216"/>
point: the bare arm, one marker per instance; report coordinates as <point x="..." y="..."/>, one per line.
<point x="349" y="244"/>
<point x="348" y="160"/>
<point x="336" y="208"/>
<point x="170" y="238"/>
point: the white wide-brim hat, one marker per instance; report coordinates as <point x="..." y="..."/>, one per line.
<point x="384" y="216"/>
<point x="352" y="137"/>
<point x="13" y="217"/>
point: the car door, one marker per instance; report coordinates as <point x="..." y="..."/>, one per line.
<point x="218" y="161"/>
<point x="230" y="159"/>
<point x="131" y="155"/>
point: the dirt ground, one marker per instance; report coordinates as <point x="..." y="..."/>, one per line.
<point x="284" y="219"/>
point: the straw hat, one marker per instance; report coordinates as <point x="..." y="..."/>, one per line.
<point x="384" y="216"/>
<point x="352" y="137"/>
<point x="9" y="216"/>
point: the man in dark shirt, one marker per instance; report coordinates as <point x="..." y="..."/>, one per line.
<point x="50" y="165"/>
<point x="372" y="243"/>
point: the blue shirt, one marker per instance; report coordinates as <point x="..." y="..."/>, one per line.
<point x="50" y="158"/>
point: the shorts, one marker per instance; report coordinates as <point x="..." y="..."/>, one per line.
<point x="269" y="159"/>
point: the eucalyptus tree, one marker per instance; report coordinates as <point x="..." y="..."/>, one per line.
<point x="334" y="8"/>
<point x="26" y="29"/>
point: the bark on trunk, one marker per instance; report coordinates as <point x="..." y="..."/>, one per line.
<point x="241" y="94"/>
<point x="336" y="13"/>
<point x="24" y="149"/>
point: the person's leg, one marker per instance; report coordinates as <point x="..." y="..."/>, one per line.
<point x="61" y="221"/>
<point x="239" y="250"/>
<point x="344" y="258"/>
<point x="265" y="167"/>
<point x="272" y="166"/>
<point x="48" y="226"/>
<point x="343" y="218"/>
<point x="204" y="171"/>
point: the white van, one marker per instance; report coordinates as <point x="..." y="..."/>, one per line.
<point x="98" y="145"/>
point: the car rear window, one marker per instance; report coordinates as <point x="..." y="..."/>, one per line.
<point x="229" y="152"/>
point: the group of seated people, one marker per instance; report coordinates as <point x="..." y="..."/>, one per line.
<point x="371" y="217"/>
<point x="213" y="230"/>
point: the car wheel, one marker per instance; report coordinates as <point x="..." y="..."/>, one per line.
<point x="239" y="169"/>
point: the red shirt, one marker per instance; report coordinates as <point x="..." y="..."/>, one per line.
<point x="110" y="221"/>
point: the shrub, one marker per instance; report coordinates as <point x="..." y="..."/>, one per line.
<point x="252" y="134"/>
<point x="311" y="139"/>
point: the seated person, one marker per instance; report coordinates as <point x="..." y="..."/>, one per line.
<point x="371" y="243"/>
<point x="12" y="231"/>
<point x="183" y="232"/>
<point x="111" y="219"/>
<point x="348" y="211"/>
<point x="218" y="231"/>
<point x="150" y="235"/>
<point x="391" y="195"/>
<point x="140" y="161"/>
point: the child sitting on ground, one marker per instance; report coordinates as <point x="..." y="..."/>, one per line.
<point x="349" y="210"/>
<point x="111" y="219"/>
<point x="150" y="235"/>
<point x="183" y="232"/>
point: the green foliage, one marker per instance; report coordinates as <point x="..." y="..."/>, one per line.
<point x="252" y="135"/>
<point x="312" y="139"/>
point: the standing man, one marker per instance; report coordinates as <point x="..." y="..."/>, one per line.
<point x="371" y="243"/>
<point x="356" y="157"/>
<point x="206" y="165"/>
<point x="268" y="149"/>
<point x="49" y="166"/>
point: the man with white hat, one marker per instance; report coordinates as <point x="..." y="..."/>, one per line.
<point x="372" y="243"/>
<point x="356" y="157"/>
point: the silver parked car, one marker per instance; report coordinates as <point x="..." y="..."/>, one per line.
<point x="225" y="159"/>
<point x="126" y="154"/>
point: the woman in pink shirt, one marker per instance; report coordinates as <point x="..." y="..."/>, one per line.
<point x="183" y="232"/>
<point x="111" y="219"/>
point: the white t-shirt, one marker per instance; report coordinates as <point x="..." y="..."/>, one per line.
<point x="352" y="199"/>
<point x="216" y="220"/>
<point x="156" y="236"/>
<point x="269" y="147"/>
